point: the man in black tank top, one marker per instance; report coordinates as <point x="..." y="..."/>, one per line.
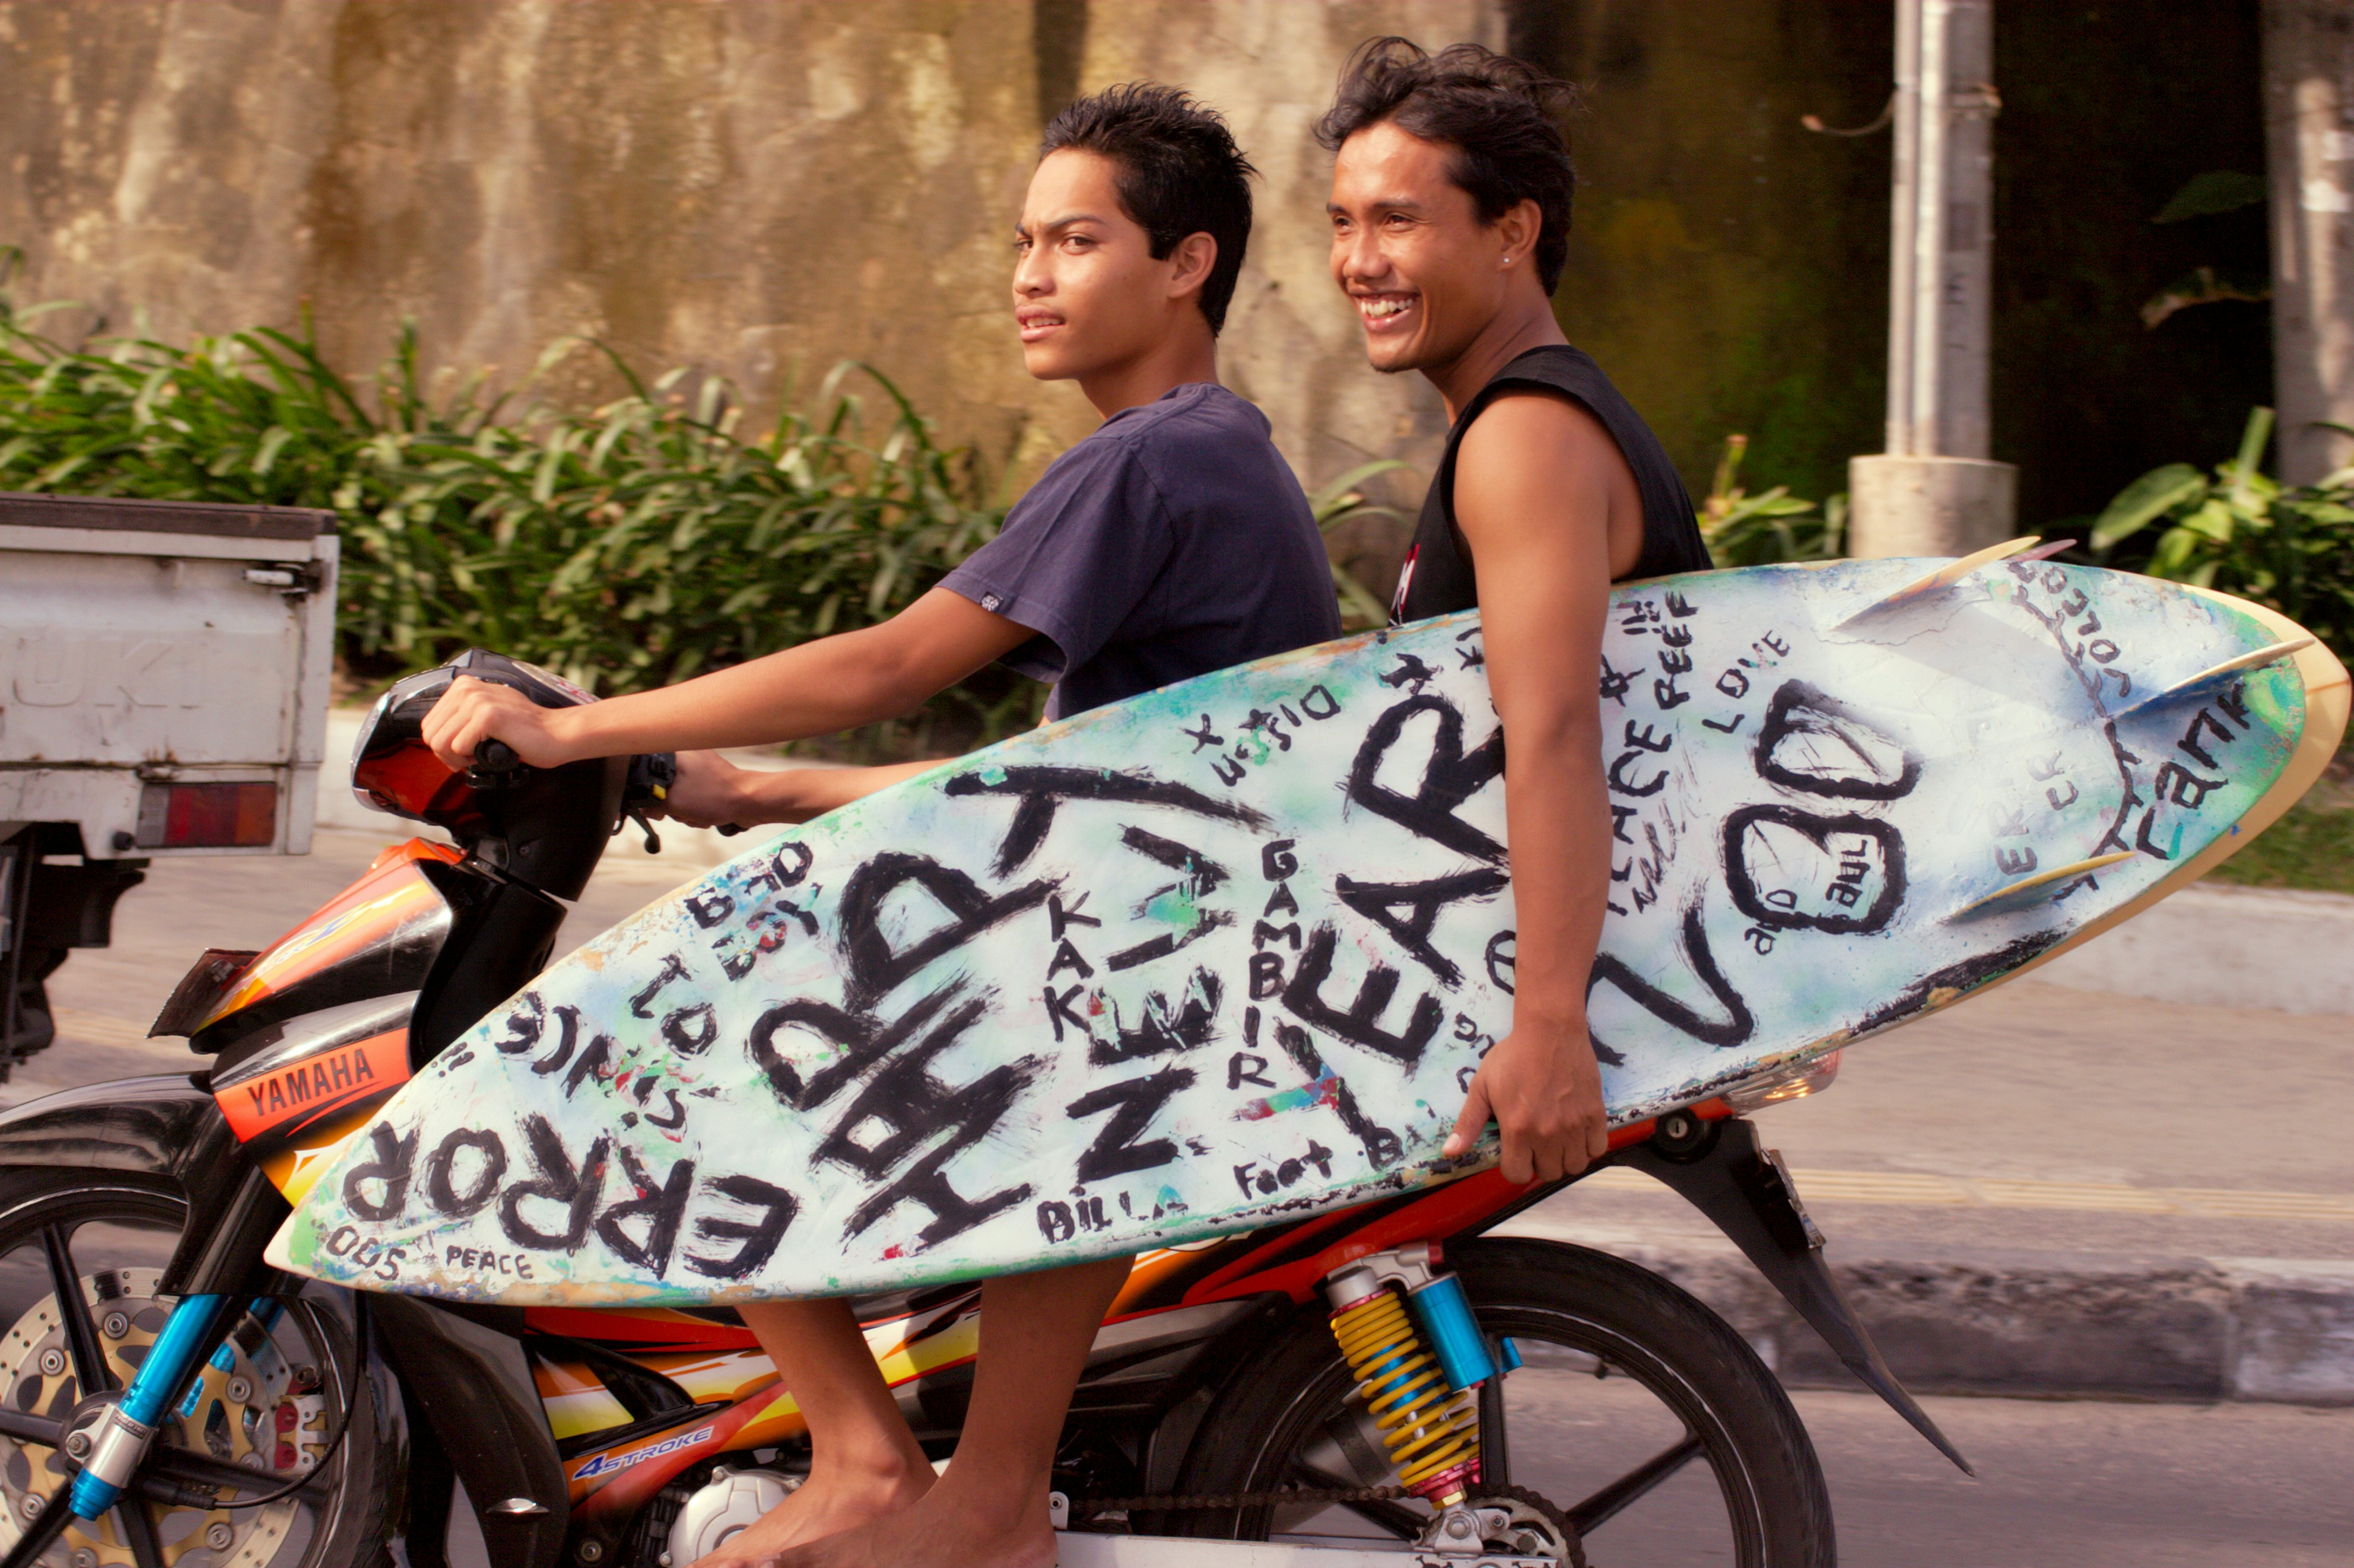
<point x="1450" y="212"/>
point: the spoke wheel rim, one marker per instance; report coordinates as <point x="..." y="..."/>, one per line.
<point x="1318" y="1399"/>
<point x="122" y="1316"/>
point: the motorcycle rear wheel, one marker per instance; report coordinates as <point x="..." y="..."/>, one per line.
<point x="1291" y="1419"/>
<point x="114" y="1229"/>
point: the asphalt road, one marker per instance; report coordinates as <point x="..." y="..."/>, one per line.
<point x="2030" y="1082"/>
<point x="2061" y="1484"/>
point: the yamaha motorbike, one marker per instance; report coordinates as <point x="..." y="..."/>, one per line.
<point x="1379" y="1385"/>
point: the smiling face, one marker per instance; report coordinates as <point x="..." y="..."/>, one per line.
<point x="1088" y="294"/>
<point x="1410" y="252"/>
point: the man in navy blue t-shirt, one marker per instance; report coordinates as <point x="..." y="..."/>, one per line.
<point x="1172" y="542"/>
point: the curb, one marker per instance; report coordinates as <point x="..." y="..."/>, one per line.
<point x="2218" y="945"/>
<point x="2274" y="1330"/>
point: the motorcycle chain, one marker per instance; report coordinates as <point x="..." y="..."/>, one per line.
<point x="1286" y="1495"/>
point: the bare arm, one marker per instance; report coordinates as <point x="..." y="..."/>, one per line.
<point x="1534" y="491"/>
<point x="710" y="790"/>
<point x="832" y="683"/>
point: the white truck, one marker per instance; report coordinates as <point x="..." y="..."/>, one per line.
<point x="164" y="673"/>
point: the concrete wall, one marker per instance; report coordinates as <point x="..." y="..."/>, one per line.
<point x="758" y="190"/>
<point x="1726" y="266"/>
<point x="760" y="187"/>
<point x="1729" y="268"/>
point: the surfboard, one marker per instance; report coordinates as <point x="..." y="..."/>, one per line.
<point x="1230" y="951"/>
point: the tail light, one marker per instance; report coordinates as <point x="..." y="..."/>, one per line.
<point x="1793" y="1084"/>
<point x="208" y="816"/>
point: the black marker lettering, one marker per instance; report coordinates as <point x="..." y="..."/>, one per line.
<point x="558" y="1181"/>
<point x="1164" y="1029"/>
<point x="1449" y="778"/>
<point x="1820" y="746"/>
<point x="1059" y="1012"/>
<point x="1067" y="957"/>
<point x="1042" y="789"/>
<point x="663" y="1207"/>
<point x="917" y="1108"/>
<point x="1381" y="901"/>
<point x="524" y="1025"/>
<point x="644" y="1002"/>
<point x="395" y="1161"/>
<point x="1133" y="1105"/>
<point x="691" y="1029"/>
<point x="1382" y="1147"/>
<point x="759" y="1238"/>
<point x="875" y="966"/>
<point x="1060" y="920"/>
<point x="567" y="1019"/>
<point x="1738" y="1024"/>
<point x="2189" y="745"/>
<point x="440" y="1185"/>
<point x="1244" y="1067"/>
<point x="1358" y="1024"/>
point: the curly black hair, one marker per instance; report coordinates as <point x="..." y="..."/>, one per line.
<point x="1496" y="113"/>
<point x="1180" y="172"/>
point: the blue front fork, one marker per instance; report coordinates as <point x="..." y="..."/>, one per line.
<point x="198" y="1325"/>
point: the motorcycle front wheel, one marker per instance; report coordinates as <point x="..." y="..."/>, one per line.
<point x="1638" y="1414"/>
<point x="81" y="1253"/>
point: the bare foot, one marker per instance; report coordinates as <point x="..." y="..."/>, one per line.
<point x="834" y="1499"/>
<point x="946" y="1529"/>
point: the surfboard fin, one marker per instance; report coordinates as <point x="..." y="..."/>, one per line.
<point x="2214" y="676"/>
<point x="2015" y="895"/>
<point x="1944" y="578"/>
<point x="2046" y="550"/>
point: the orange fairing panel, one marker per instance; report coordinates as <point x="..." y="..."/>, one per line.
<point x="313" y="1089"/>
<point x="391" y="903"/>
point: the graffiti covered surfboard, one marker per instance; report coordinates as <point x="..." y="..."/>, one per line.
<point x="1230" y="950"/>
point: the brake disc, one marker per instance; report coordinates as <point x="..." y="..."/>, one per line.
<point x="250" y="1408"/>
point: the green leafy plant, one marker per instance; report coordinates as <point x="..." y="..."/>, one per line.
<point x="2212" y="194"/>
<point x="1343" y="500"/>
<point x="1745" y="530"/>
<point x="2243" y="532"/>
<point x="628" y="546"/>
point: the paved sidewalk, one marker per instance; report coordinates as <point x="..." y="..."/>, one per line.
<point x="2044" y="1190"/>
<point x="2054" y="1191"/>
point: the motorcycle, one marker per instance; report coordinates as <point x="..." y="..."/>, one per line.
<point x="1374" y="1385"/>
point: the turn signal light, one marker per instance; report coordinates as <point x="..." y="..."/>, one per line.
<point x="208" y="816"/>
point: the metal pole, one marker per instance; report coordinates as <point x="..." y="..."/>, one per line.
<point x="1934" y="492"/>
<point x="1931" y="176"/>
<point x="1900" y="208"/>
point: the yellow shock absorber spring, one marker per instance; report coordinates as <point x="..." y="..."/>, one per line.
<point x="1432" y="1433"/>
